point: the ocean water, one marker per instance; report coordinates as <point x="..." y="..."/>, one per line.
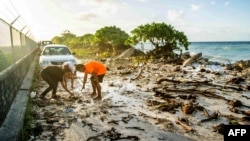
<point x="223" y="52"/>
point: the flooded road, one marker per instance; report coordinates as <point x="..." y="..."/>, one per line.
<point x="121" y="113"/>
<point x="135" y="106"/>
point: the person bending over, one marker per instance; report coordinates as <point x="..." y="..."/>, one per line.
<point x="97" y="71"/>
<point x="53" y="75"/>
<point x="69" y="75"/>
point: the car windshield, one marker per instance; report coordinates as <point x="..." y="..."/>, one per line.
<point x="56" y="51"/>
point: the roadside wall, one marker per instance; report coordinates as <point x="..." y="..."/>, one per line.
<point x="11" y="80"/>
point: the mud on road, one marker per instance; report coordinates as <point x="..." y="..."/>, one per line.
<point x="135" y="106"/>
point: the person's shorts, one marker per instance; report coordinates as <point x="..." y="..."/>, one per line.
<point x="100" y="77"/>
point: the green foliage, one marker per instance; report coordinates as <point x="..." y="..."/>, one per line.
<point x="164" y="37"/>
<point x="111" y="40"/>
<point x="79" y="45"/>
<point x="106" y="42"/>
<point x="87" y="40"/>
<point x="113" y="36"/>
<point x="82" y="53"/>
<point x="57" y="40"/>
<point x="28" y="121"/>
<point x="67" y="38"/>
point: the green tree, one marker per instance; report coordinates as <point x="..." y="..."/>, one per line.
<point x="164" y="37"/>
<point x="57" y="40"/>
<point x="87" y="40"/>
<point x="112" y="36"/>
<point x="78" y="45"/>
<point x="67" y="38"/>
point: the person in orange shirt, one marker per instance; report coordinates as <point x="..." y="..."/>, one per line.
<point x="98" y="71"/>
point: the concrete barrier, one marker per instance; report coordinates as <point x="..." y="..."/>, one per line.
<point x="13" y="123"/>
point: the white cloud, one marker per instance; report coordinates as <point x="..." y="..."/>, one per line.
<point x="174" y="15"/>
<point x="86" y="16"/>
<point x="195" y="7"/>
<point x="99" y="7"/>
<point x="108" y="9"/>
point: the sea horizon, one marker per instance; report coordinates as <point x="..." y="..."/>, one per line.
<point x="218" y="51"/>
<point x="217" y="41"/>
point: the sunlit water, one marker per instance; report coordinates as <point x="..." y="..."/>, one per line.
<point x="215" y="51"/>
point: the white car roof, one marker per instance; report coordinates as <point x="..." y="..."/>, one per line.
<point x="55" y="45"/>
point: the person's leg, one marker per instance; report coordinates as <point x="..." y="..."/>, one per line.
<point x="93" y="83"/>
<point x="98" y="87"/>
<point x="54" y="86"/>
<point x="45" y="92"/>
<point x="72" y="79"/>
<point x="47" y="79"/>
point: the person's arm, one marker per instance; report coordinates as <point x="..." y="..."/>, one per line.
<point x="72" y="80"/>
<point x="65" y="80"/>
<point x="63" y="85"/>
<point x="84" y="80"/>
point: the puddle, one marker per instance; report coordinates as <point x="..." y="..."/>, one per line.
<point x="246" y="94"/>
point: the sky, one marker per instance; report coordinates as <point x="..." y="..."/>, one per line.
<point x="200" y="20"/>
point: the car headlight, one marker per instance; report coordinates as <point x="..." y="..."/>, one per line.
<point x="44" y="63"/>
